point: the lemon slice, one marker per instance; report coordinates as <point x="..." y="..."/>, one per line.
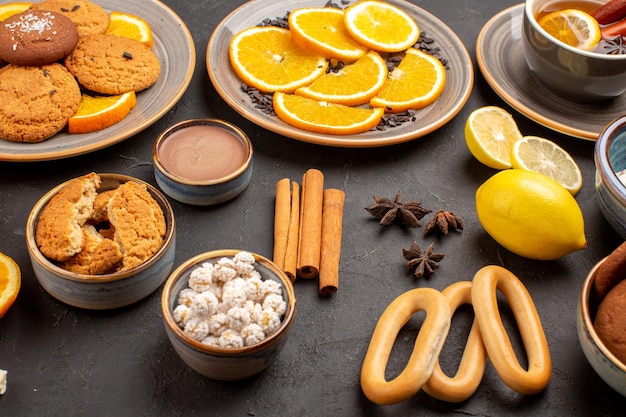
<point x="10" y="280"/>
<point x="573" y="27"/>
<point x="490" y="133"/>
<point x="533" y="153"/>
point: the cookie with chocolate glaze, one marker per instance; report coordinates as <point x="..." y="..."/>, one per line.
<point x="36" y="37"/>
<point x="89" y="18"/>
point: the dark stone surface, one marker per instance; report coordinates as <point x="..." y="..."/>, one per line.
<point x="64" y="361"/>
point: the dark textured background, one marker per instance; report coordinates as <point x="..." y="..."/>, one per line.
<point x="64" y="361"/>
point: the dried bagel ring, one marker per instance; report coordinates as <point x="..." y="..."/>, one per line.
<point x="472" y="365"/>
<point x="484" y="286"/>
<point x="427" y="347"/>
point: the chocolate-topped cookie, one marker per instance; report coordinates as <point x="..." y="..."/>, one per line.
<point x="36" y="37"/>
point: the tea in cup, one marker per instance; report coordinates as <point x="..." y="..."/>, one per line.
<point x="593" y="72"/>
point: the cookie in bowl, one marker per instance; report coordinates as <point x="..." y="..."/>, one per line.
<point x="99" y="258"/>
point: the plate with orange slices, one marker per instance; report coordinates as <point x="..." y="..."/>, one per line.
<point x="172" y="43"/>
<point x="227" y="79"/>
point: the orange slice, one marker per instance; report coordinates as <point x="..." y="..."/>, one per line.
<point x="99" y="112"/>
<point x="9" y="9"/>
<point x="266" y="58"/>
<point x="381" y="26"/>
<point x="415" y="83"/>
<point x="10" y="281"/>
<point x="351" y="85"/>
<point x="322" y="30"/>
<point x="574" y="27"/>
<point x="130" y="26"/>
<point x="323" y="117"/>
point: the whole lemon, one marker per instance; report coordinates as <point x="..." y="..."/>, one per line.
<point x="530" y="214"/>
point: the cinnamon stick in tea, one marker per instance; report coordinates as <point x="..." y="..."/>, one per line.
<point x="291" y="255"/>
<point x="310" y="223"/>
<point x="332" y="221"/>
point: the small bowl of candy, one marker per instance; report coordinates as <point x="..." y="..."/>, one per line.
<point x="610" y="182"/>
<point x="202" y="161"/>
<point x="228" y="313"/>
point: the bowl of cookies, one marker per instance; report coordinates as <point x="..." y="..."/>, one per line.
<point x="228" y="313"/>
<point x="601" y="319"/>
<point x="101" y="241"/>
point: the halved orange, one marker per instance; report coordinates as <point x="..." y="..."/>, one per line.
<point x="267" y="58"/>
<point x="351" y="85"/>
<point x="574" y="27"/>
<point x="98" y="112"/>
<point x="324" y="117"/>
<point x="10" y="282"/>
<point x="130" y="26"/>
<point x="9" y="9"/>
<point x="415" y="83"/>
<point x="381" y="26"/>
<point x="322" y="30"/>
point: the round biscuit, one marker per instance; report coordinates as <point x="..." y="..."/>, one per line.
<point x="110" y="64"/>
<point x="89" y="18"/>
<point x="36" y="102"/>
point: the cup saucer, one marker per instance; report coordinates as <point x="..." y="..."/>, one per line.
<point x="502" y="63"/>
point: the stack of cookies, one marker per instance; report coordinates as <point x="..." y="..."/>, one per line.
<point x="54" y="50"/>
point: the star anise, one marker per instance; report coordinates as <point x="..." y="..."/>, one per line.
<point x="615" y="46"/>
<point x="423" y="263"/>
<point x="387" y="211"/>
<point x="444" y="221"/>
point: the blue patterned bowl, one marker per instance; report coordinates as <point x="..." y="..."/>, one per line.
<point x="226" y="364"/>
<point x="610" y="160"/>
<point x="606" y="365"/>
<point x="101" y="292"/>
<point x="206" y="192"/>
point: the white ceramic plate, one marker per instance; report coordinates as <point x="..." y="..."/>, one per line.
<point x="501" y="61"/>
<point x="173" y="45"/>
<point x="460" y="76"/>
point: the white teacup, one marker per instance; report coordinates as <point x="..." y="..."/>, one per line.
<point x="570" y="72"/>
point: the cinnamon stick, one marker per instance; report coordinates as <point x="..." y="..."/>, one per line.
<point x="291" y="255"/>
<point x="282" y="215"/>
<point x="332" y="221"/>
<point x="310" y="224"/>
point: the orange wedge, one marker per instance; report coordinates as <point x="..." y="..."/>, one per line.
<point x="266" y="58"/>
<point x="130" y="26"/>
<point x="323" y="117"/>
<point x="98" y="112"/>
<point x="350" y="85"/>
<point x="9" y="9"/>
<point x="381" y="26"/>
<point x="10" y="281"/>
<point x="415" y="83"/>
<point x="322" y="30"/>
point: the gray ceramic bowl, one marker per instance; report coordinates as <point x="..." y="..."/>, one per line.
<point x="203" y="192"/>
<point x="606" y="365"/>
<point x="610" y="160"/>
<point x="572" y="73"/>
<point x="226" y="364"/>
<point x="100" y="292"/>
